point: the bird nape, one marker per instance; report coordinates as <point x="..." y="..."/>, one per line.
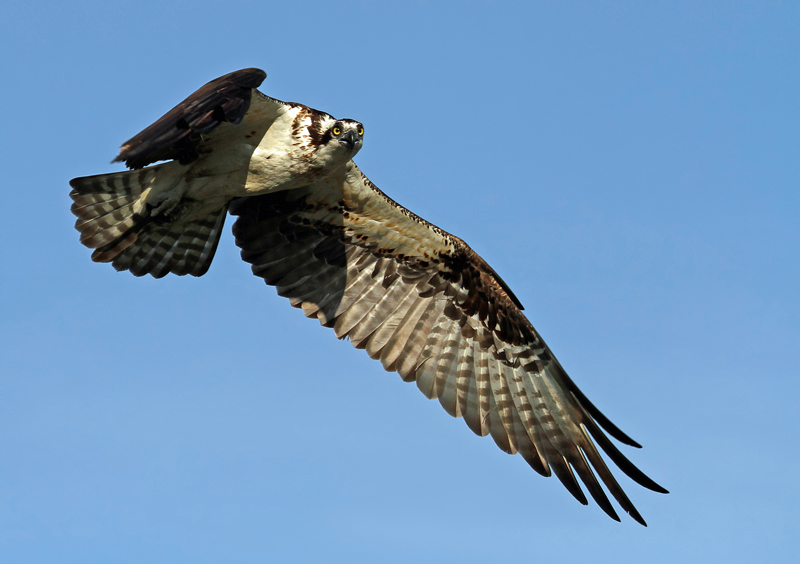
<point x="313" y="225"/>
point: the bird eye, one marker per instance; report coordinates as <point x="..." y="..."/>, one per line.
<point x="361" y="130"/>
<point x="337" y="130"/>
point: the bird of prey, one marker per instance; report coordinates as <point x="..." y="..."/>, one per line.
<point x="313" y="225"/>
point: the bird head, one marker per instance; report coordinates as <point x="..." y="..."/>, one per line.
<point x="335" y="141"/>
<point x="348" y="133"/>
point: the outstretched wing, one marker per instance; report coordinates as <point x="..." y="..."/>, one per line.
<point x="427" y="306"/>
<point x="178" y="133"/>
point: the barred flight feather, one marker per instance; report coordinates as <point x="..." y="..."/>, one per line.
<point x="465" y="378"/>
<point x="457" y="333"/>
<point x="113" y="218"/>
<point x="379" y="312"/>
<point x="186" y="249"/>
<point x="502" y="402"/>
<point x="494" y="420"/>
<point x="410" y="354"/>
<point x="307" y="289"/>
<point x="371" y="292"/>
<point x="391" y="321"/>
<point x="528" y="421"/>
<point x="428" y="363"/>
<point x="446" y="376"/>
<point x="396" y="344"/>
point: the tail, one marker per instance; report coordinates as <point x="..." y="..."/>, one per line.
<point x="114" y="220"/>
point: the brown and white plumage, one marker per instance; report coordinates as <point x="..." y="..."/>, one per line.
<point x="226" y="140"/>
<point x="413" y="296"/>
<point x="423" y="303"/>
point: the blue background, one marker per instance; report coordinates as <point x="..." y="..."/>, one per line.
<point x="630" y="169"/>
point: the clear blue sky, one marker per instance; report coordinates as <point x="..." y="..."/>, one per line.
<point x="629" y="168"/>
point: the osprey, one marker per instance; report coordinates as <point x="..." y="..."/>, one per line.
<point x="311" y="224"/>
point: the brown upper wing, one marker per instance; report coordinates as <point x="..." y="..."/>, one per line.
<point x="427" y="306"/>
<point x="177" y="134"/>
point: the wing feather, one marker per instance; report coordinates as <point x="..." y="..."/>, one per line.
<point x="437" y="349"/>
<point x="391" y="321"/>
<point x="396" y="344"/>
<point x="409" y="358"/>
<point x="479" y="422"/>
<point x="387" y="301"/>
<point x="503" y="434"/>
<point x="528" y="421"/>
<point x="179" y="132"/>
<point x="424" y="304"/>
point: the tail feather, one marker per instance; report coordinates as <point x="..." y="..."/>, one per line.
<point x="89" y="204"/>
<point x="160" y="249"/>
<point x="108" y="252"/>
<point x="109" y="205"/>
<point x="114" y="220"/>
<point x="104" y="230"/>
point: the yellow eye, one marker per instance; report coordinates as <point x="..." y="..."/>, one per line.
<point x="361" y="130"/>
<point x="337" y="131"/>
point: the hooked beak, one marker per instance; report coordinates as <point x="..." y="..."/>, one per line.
<point x="349" y="139"/>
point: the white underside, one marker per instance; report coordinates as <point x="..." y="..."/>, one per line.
<point x="267" y="152"/>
